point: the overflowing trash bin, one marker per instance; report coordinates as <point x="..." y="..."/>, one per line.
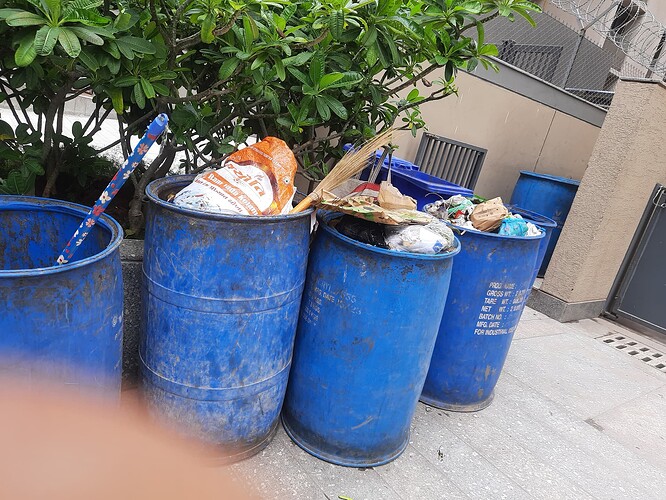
<point x="221" y="294"/>
<point x="547" y="195"/>
<point x="60" y="323"/>
<point x="490" y="283"/>
<point x="366" y="331"/>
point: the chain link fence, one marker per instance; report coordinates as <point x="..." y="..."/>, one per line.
<point x="580" y="60"/>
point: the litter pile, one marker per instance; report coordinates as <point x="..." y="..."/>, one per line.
<point x="381" y="216"/>
<point x="488" y="216"/>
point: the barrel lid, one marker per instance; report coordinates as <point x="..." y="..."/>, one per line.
<point x="549" y="177"/>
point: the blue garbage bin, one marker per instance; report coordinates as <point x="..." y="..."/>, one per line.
<point x="491" y="281"/>
<point x="62" y="324"/>
<point x="424" y="188"/>
<point x="547" y="195"/>
<point x="366" y="331"/>
<point x="221" y="297"/>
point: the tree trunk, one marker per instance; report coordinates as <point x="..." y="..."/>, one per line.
<point x="163" y="160"/>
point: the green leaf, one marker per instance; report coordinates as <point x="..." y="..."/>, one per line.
<point x="5" y="13"/>
<point x="336" y="106"/>
<point x="87" y="34"/>
<point x="84" y="4"/>
<point x="122" y="22"/>
<point x="136" y="44"/>
<point x="161" y="89"/>
<point x="33" y="167"/>
<point x="139" y="98"/>
<point x="116" y="95"/>
<point x="349" y="79"/>
<point x="77" y="129"/>
<point x="69" y="41"/>
<point x="336" y="24"/>
<point x="207" y="27"/>
<point x="45" y="39"/>
<point x="488" y="50"/>
<point x="24" y="18"/>
<point x="298" y="59"/>
<point x="259" y="61"/>
<point x="164" y="75"/>
<point x="17" y="183"/>
<point x="370" y="36"/>
<point x="322" y="108"/>
<point x="413" y="95"/>
<point x="371" y="56"/>
<point x="26" y="52"/>
<point x="6" y="131"/>
<point x="53" y="7"/>
<point x="480" y="34"/>
<point x="126" y="81"/>
<point x="329" y="79"/>
<point x="316" y="67"/>
<point x="112" y="49"/>
<point x="249" y="30"/>
<point x="147" y="88"/>
<point x="279" y="69"/>
<point x="113" y="65"/>
<point x="227" y="68"/>
<point x="299" y="75"/>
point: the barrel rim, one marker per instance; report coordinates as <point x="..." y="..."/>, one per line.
<point x="564" y="180"/>
<point x="323" y="217"/>
<point x="152" y="191"/>
<point x="53" y="205"/>
<point x="531" y="216"/>
<point x="464" y="230"/>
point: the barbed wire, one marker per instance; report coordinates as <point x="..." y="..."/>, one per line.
<point x="628" y="24"/>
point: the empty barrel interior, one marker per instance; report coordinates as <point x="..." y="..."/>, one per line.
<point x="34" y="232"/>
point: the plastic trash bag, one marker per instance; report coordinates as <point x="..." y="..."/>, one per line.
<point x="361" y="230"/>
<point x="513" y="226"/>
<point x="432" y="238"/>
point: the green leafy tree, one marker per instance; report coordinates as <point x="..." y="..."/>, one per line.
<point x="315" y="73"/>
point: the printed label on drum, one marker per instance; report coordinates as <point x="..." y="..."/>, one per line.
<point x="501" y="309"/>
<point x="323" y="292"/>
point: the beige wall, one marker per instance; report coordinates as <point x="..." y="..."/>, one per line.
<point x="519" y="134"/>
<point x="628" y="160"/>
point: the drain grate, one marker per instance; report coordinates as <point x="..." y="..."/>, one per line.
<point x="636" y="349"/>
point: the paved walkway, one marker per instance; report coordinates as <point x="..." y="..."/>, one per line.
<point x="573" y="417"/>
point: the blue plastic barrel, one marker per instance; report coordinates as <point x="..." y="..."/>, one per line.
<point x="366" y="331"/>
<point x="491" y="281"/>
<point x="546" y="224"/>
<point x="60" y="323"/>
<point x="221" y="300"/>
<point x="547" y="195"/>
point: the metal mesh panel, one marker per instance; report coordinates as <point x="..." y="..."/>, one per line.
<point x="578" y="57"/>
<point x="450" y="160"/>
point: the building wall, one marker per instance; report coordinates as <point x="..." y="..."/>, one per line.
<point x="626" y="164"/>
<point x="518" y="132"/>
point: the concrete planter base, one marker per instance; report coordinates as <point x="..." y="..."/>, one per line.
<point x="131" y="258"/>
<point x="564" y="311"/>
